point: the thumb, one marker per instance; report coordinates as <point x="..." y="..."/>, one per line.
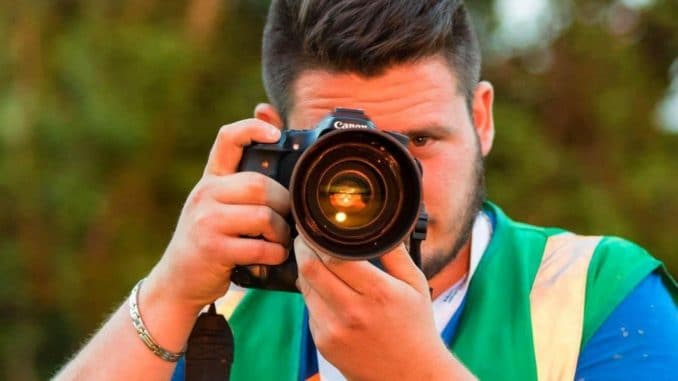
<point x="400" y="265"/>
<point x="231" y="139"/>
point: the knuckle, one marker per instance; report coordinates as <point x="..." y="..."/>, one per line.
<point x="207" y="242"/>
<point x="228" y="131"/>
<point x="225" y="131"/>
<point x="268" y="252"/>
<point x="203" y="221"/>
<point x="308" y="268"/>
<point x="265" y="216"/>
<point x="320" y="339"/>
<point x="258" y="185"/>
<point x="353" y="320"/>
<point x="202" y="231"/>
<point x="260" y="249"/>
<point x="200" y="192"/>
<point x="336" y="333"/>
<point x="302" y="286"/>
<point x="327" y="338"/>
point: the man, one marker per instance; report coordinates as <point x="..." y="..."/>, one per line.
<point x="511" y="301"/>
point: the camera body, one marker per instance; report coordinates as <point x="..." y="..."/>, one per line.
<point x="355" y="192"/>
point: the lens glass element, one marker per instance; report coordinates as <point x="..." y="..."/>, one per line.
<point x="350" y="195"/>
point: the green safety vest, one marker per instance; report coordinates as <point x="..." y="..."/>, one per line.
<point x="536" y="298"/>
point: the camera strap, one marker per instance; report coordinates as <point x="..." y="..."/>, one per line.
<point x="418" y="235"/>
<point x="209" y="353"/>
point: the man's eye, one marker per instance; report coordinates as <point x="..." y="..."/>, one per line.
<point x="420" y="141"/>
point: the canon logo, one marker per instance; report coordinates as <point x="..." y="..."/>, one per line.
<point x="343" y="125"/>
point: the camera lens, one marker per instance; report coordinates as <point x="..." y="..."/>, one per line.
<point x="355" y="193"/>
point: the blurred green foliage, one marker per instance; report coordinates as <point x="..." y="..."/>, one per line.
<point x="108" y="110"/>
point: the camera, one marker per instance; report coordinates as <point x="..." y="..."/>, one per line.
<point x="355" y="193"/>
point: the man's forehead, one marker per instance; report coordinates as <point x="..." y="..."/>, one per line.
<point x="417" y="86"/>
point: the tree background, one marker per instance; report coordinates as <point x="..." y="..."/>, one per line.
<point x="108" y="110"/>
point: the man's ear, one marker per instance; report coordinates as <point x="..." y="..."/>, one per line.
<point x="269" y="114"/>
<point x="483" y="98"/>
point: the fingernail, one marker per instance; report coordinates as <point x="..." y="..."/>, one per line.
<point x="274" y="133"/>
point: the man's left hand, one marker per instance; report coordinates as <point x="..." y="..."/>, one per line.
<point x="373" y="324"/>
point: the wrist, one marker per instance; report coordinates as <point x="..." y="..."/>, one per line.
<point x="448" y="367"/>
<point x="142" y="331"/>
<point x="168" y="320"/>
<point x="441" y="364"/>
<point x="171" y="284"/>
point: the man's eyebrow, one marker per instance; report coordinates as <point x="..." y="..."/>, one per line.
<point x="430" y="129"/>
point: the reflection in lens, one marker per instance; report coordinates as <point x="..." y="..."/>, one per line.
<point x="349" y="192"/>
<point x="350" y="199"/>
<point x="340" y="217"/>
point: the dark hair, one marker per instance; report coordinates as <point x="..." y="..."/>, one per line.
<point x="365" y="37"/>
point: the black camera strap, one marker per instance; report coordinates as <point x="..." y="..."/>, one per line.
<point x="209" y="353"/>
<point x="418" y="235"/>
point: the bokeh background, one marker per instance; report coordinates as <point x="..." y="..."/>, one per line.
<point x="108" y="109"/>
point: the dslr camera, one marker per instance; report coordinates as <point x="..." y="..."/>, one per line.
<point x="356" y="193"/>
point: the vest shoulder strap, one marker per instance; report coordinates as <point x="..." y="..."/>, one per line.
<point x="557" y="304"/>
<point x="580" y="281"/>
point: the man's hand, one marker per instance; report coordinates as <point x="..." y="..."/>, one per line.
<point x="222" y="211"/>
<point x="220" y="220"/>
<point x="371" y="324"/>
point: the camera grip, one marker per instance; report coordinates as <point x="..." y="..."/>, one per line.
<point x="279" y="278"/>
<point x="276" y="162"/>
<point x="261" y="158"/>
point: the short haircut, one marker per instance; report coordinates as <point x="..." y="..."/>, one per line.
<point x="365" y="37"/>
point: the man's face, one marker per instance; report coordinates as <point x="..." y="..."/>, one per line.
<point x="422" y="101"/>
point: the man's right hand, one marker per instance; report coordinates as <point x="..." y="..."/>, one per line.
<point x="221" y="220"/>
<point x="215" y="232"/>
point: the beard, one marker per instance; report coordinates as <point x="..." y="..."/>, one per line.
<point x="473" y="201"/>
